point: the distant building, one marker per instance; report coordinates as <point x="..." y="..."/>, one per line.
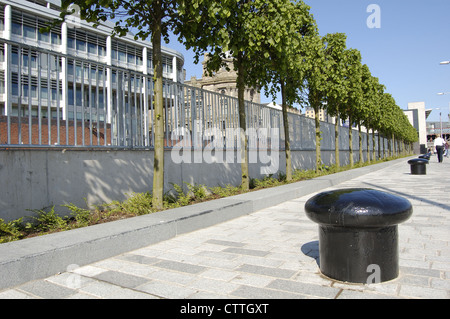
<point x="436" y="128"/>
<point x="223" y="82"/>
<point x="417" y="115"/>
<point x="323" y="115"/>
<point x="79" y="59"/>
<point x="70" y="85"/>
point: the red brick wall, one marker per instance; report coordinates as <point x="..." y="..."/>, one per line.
<point x="98" y="134"/>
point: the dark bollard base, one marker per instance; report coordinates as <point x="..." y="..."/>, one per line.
<point x="357" y="255"/>
<point x="418" y="166"/>
<point x="420" y="169"/>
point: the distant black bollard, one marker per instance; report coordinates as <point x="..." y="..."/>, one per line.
<point x="425" y="156"/>
<point x="358" y="233"/>
<point x="418" y="166"/>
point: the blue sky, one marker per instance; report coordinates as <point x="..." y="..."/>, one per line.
<point x="404" y="53"/>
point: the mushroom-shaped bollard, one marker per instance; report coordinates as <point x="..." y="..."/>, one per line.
<point x="425" y="156"/>
<point x="418" y="166"/>
<point x="358" y="233"/>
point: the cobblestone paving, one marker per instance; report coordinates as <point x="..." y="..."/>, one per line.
<point x="272" y="253"/>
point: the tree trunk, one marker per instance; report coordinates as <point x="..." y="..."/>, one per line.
<point x="158" y="162"/>
<point x="368" y="145"/>
<point x="245" y="184"/>
<point x="380" y="156"/>
<point x="388" y="151"/>
<point x="373" y="145"/>
<point x="336" y="142"/>
<point x="287" y="142"/>
<point x="393" y="145"/>
<point x="350" y="141"/>
<point x="361" y="156"/>
<point x="317" y="122"/>
<point x="380" y="147"/>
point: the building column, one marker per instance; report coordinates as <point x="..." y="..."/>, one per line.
<point x="7" y="63"/>
<point x="109" y="88"/>
<point x="7" y="26"/>
<point x="174" y="69"/>
<point x="64" y="75"/>
<point x="145" y="94"/>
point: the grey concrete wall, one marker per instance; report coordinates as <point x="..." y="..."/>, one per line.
<point x="35" y="179"/>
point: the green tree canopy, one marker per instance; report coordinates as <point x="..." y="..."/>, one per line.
<point x="281" y="65"/>
<point x="248" y="31"/>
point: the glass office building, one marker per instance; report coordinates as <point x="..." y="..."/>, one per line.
<point x="79" y="81"/>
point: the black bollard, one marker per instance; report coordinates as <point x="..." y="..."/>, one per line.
<point x="358" y="233"/>
<point x="418" y="166"/>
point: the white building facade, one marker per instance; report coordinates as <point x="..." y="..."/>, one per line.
<point x="73" y="73"/>
<point x="417" y="115"/>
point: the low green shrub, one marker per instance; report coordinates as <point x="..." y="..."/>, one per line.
<point x="47" y="221"/>
<point x="11" y="231"/>
<point x="228" y="190"/>
<point x="137" y="204"/>
<point x="266" y="181"/>
<point x="82" y="216"/>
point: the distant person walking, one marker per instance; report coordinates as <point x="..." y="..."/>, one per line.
<point x="439" y="146"/>
<point x="446" y="149"/>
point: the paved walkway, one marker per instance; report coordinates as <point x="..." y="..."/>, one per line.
<point x="272" y="254"/>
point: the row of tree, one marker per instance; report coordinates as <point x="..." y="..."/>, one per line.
<point x="275" y="45"/>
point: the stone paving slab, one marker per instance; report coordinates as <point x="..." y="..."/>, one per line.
<point x="272" y="253"/>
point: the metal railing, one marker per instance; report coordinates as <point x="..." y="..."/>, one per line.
<point x="50" y="99"/>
